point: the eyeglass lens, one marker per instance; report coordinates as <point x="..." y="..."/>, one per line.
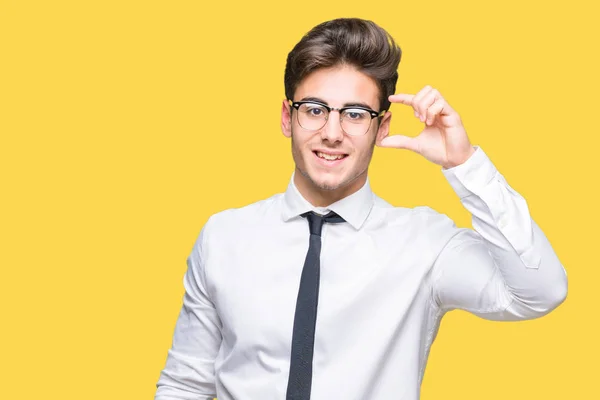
<point x="353" y="121"/>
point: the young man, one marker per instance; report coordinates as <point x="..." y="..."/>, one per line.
<point x="328" y="292"/>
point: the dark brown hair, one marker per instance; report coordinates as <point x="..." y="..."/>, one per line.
<point x="352" y="41"/>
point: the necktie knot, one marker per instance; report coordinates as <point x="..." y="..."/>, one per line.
<point x="315" y="221"/>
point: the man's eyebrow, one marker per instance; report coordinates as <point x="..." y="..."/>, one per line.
<point x="352" y="104"/>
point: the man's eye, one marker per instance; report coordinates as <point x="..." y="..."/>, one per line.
<point x="315" y="112"/>
<point x="356" y="114"/>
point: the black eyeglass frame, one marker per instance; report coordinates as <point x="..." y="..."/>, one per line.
<point x="373" y="113"/>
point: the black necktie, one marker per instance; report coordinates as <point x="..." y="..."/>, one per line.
<point x="303" y="338"/>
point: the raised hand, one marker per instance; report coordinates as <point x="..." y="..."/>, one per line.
<point x="443" y="140"/>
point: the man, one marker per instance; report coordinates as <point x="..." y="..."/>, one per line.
<point x="327" y="291"/>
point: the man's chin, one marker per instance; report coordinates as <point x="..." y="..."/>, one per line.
<point x="325" y="181"/>
<point x="328" y="187"/>
<point x="328" y="184"/>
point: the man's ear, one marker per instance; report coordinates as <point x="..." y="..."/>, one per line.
<point x="286" y="119"/>
<point x="384" y="127"/>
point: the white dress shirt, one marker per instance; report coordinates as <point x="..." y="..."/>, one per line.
<point x="388" y="275"/>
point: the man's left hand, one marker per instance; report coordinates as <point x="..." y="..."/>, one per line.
<point x="444" y="140"/>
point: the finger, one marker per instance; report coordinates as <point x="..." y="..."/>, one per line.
<point x="427" y="101"/>
<point x="402" y="98"/>
<point x="419" y="109"/>
<point x="434" y="110"/>
<point x="400" y="142"/>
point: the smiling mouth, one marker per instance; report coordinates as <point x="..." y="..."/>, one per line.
<point x="330" y="157"/>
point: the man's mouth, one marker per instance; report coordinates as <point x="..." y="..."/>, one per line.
<point x="329" y="157"/>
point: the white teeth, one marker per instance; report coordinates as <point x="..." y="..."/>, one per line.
<point x="329" y="156"/>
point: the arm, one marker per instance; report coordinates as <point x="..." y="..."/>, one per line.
<point x="189" y="371"/>
<point x="504" y="269"/>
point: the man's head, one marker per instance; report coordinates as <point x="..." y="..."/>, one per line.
<point x="340" y="63"/>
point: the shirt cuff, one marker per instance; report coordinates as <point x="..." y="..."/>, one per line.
<point x="474" y="173"/>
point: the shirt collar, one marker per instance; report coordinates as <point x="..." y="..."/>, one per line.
<point x="354" y="208"/>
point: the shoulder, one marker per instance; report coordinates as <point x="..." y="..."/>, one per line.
<point x="421" y="221"/>
<point x="433" y="219"/>
<point x="228" y="226"/>
<point x="233" y="220"/>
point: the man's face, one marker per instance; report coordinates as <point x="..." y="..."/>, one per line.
<point x="319" y="178"/>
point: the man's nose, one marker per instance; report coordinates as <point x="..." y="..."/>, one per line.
<point x="332" y="131"/>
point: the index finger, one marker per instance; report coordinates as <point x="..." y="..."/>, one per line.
<point x="402" y="98"/>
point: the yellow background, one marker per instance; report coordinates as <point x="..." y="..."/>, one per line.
<point x="125" y="124"/>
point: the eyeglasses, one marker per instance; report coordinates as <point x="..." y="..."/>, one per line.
<point x="354" y="120"/>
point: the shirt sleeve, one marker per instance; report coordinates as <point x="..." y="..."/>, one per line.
<point x="189" y="372"/>
<point x="504" y="268"/>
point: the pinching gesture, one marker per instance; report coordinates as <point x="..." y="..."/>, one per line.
<point x="443" y="140"/>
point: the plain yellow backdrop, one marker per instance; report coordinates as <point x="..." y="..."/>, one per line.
<point x="125" y="124"/>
